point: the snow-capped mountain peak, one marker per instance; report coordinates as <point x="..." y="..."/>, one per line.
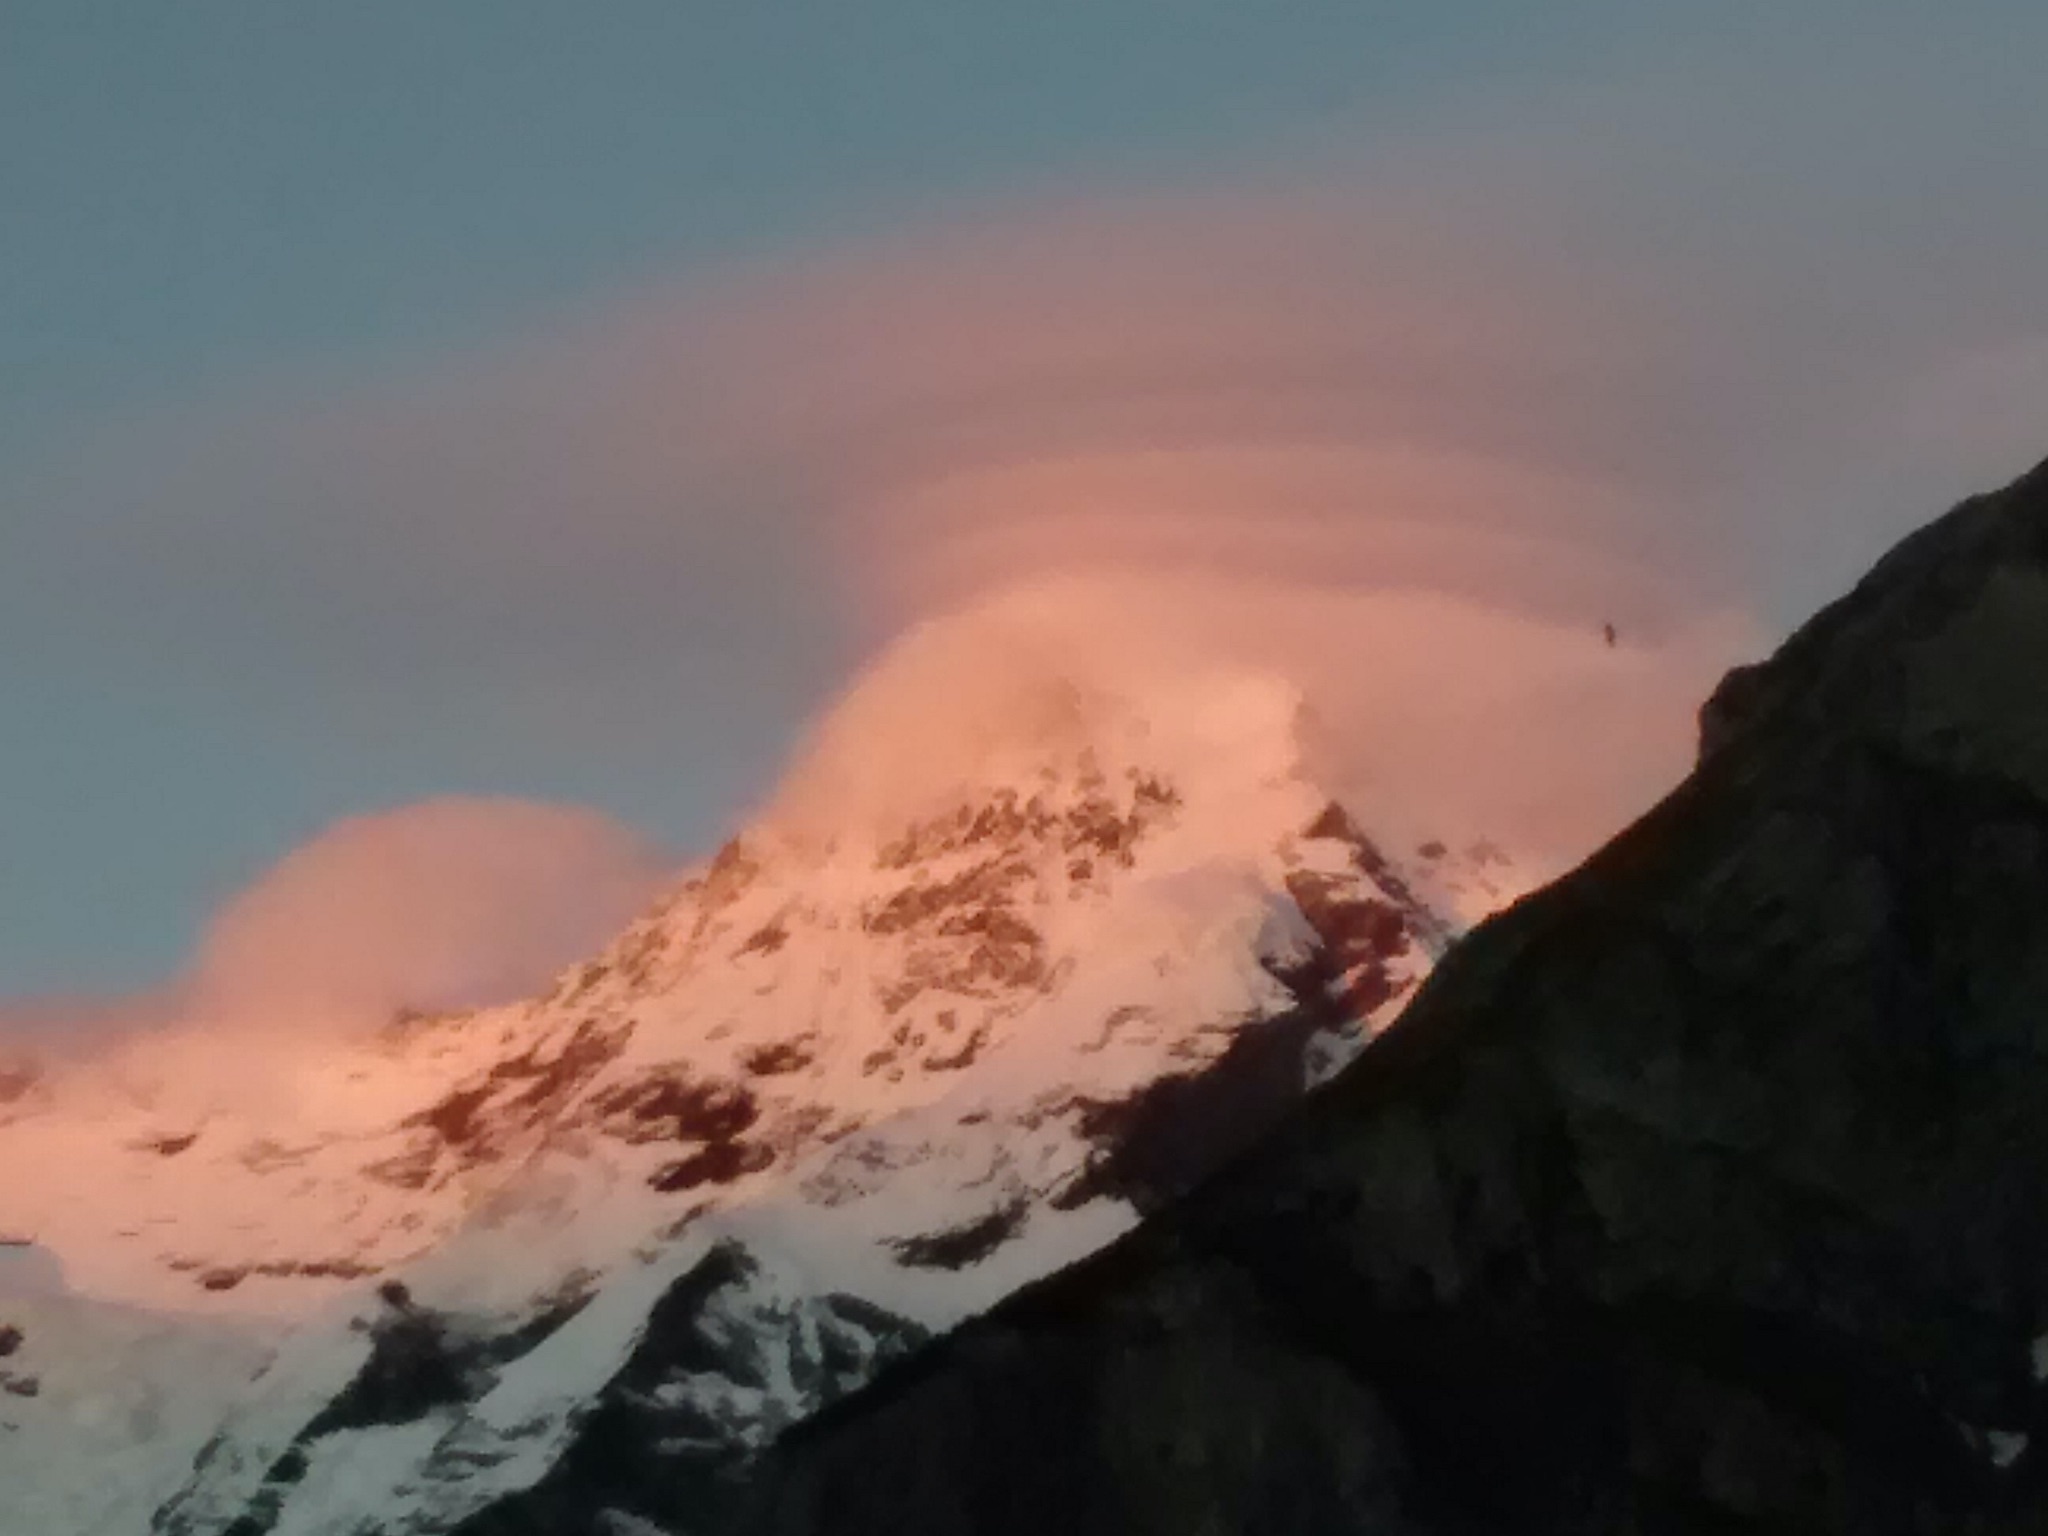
<point x="976" y="988"/>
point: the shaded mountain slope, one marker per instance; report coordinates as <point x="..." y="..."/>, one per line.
<point x="1705" y="1191"/>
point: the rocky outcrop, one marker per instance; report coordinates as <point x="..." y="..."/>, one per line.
<point x="657" y="1442"/>
<point x="1705" y="1191"/>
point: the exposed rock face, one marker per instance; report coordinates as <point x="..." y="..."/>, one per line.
<point x="1706" y="1191"/>
<point x="660" y="1438"/>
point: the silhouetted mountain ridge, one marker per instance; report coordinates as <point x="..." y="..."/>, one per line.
<point x="1700" y="1192"/>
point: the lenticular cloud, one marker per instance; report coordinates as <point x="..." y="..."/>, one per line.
<point x="1095" y="451"/>
<point x="1087" y="455"/>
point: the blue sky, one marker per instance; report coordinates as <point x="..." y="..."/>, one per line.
<point x="203" y="190"/>
<point x="212" y="212"/>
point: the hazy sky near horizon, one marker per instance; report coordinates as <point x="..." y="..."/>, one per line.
<point x="401" y="401"/>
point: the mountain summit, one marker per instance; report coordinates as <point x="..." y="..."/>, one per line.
<point x="997" y="972"/>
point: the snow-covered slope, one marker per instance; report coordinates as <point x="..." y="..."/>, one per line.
<point x="100" y="1405"/>
<point x="942" y="1021"/>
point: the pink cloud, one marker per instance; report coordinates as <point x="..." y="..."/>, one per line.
<point x="443" y="904"/>
<point x="1432" y="714"/>
<point x="447" y="903"/>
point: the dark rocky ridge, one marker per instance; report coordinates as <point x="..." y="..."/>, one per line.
<point x="647" y="1452"/>
<point x="1704" y="1192"/>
